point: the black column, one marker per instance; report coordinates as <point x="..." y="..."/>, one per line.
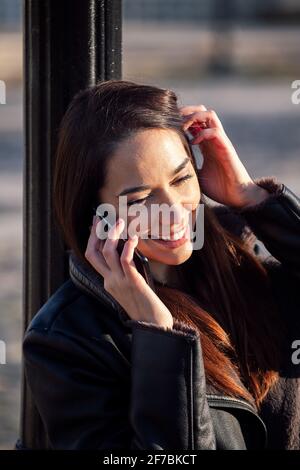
<point x="68" y="45"/>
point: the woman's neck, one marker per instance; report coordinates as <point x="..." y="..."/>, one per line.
<point x="165" y="274"/>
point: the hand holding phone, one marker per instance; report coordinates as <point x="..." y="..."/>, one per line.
<point x="122" y="279"/>
<point x="141" y="262"/>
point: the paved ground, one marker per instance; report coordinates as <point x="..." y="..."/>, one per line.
<point x="257" y="114"/>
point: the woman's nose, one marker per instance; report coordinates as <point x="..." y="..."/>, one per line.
<point x="174" y="217"/>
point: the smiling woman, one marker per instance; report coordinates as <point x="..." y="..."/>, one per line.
<point x="208" y="353"/>
<point x="153" y="166"/>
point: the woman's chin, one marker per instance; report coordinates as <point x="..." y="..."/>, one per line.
<point x="176" y="255"/>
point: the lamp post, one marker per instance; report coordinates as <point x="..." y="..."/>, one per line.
<point x="68" y="45"/>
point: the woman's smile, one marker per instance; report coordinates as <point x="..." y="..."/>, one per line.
<point x="175" y="240"/>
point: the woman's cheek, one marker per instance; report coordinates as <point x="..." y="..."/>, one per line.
<point x="139" y="222"/>
<point x="193" y="197"/>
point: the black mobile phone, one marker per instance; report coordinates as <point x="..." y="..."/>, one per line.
<point x="141" y="262"/>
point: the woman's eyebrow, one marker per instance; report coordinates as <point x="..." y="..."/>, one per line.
<point x="181" y="166"/>
<point x="135" y="189"/>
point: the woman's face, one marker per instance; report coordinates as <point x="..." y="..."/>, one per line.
<point x="156" y="160"/>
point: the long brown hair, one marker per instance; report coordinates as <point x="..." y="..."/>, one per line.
<point x="230" y="301"/>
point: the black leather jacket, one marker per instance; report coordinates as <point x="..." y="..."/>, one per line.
<point x="101" y="380"/>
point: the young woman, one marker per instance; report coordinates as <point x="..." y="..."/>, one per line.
<point x="208" y="360"/>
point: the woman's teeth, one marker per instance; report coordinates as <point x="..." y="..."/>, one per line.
<point x="175" y="236"/>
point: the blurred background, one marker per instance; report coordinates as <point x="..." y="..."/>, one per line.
<point x="239" y="58"/>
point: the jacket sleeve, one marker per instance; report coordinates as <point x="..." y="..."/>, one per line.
<point x="85" y="403"/>
<point x="276" y="222"/>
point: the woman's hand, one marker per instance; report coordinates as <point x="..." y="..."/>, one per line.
<point x="121" y="278"/>
<point x="222" y="177"/>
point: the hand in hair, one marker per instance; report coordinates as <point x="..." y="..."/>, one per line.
<point x="223" y="176"/>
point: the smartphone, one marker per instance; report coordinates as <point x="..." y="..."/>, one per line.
<point x="141" y="262"/>
<point x="195" y="150"/>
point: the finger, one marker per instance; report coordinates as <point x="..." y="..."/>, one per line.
<point x="206" y="134"/>
<point x="205" y="119"/>
<point x="126" y="258"/>
<point x="93" y="251"/>
<point x="186" y="110"/>
<point x="109" y="250"/>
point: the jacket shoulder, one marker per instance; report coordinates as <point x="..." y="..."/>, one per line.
<point x="237" y="225"/>
<point x="69" y="311"/>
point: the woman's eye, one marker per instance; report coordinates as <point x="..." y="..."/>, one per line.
<point x="138" y="201"/>
<point x="184" y="178"/>
<point x="180" y="180"/>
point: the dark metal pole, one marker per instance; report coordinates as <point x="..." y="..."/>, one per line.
<point x="68" y="45"/>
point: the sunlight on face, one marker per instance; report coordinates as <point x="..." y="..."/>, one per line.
<point x="149" y="159"/>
